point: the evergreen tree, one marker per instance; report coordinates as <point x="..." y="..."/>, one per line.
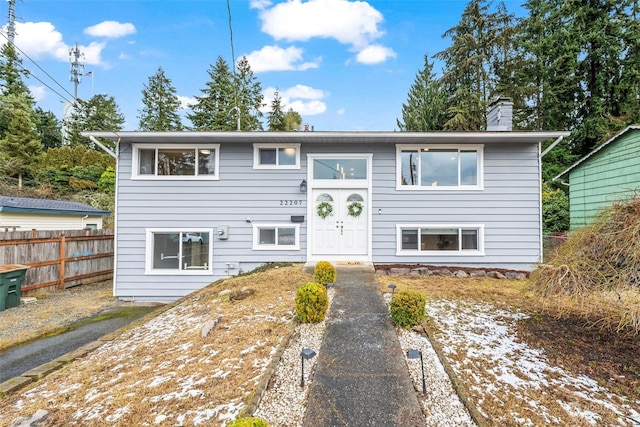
<point x="249" y="97"/>
<point x="161" y="105"/>
<point x="292" y="120"/>
<point x="100" y="113"/>
<point x="426" y="101"/>
<point x="49" y="129"/>
<point x="276" y="117"/>
<point x="214" y="110"/>
<point x="21" y="149"/>
<point x="466" y="77"/>
<point x="12" y="72"/>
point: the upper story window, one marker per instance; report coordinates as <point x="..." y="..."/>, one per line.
<point x="439" y="167"/>
<point x="276" y="156"/>
<point x="176" y="162"/>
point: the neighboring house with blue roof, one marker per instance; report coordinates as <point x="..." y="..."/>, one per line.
<point x="25" y="213"/>
<point x="609" y="174"/>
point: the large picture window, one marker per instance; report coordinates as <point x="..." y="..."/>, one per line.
<point x="438" y="239"/>
<point x="439" y="167"/>
<point x="167" y="162"/>
<point x="276" y="237"/>
<point x="276" y="156"/>
<point x="178" y="252"/>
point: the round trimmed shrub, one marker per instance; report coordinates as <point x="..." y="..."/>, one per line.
<point x="407" y="308"/>
<point x="311" y="303"/>
<point x="248" y="422"/>
<point x="324" y="272"/>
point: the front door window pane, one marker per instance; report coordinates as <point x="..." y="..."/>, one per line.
<point x="340" y="169"/>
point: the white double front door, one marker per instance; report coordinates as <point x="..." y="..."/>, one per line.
<point x="340" y="223"/>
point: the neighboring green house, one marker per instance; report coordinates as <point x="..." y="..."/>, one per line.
<point x="608" y="174"/>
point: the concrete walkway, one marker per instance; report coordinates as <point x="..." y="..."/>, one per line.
<point x="361" y="378"/>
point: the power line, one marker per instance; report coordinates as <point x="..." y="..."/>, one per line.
<point x="233" y="59"/>
<point x="41" y="69"/>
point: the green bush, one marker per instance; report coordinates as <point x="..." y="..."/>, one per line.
<point x="248" y="422"/>
<point x="324" y="272"/>
<point x="311" y="303"/>
<point x="407" y="308"/>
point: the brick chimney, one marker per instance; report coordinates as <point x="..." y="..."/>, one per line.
<point x="500" y="114"/>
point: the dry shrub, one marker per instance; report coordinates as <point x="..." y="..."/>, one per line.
<point x="597" y="271"/>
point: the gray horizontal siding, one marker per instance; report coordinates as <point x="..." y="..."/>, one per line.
<point x="508" y="207"/>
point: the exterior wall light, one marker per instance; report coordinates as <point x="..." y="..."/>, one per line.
<point x="303" y="186"/>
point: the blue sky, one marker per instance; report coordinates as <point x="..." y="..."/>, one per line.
<point x="343" y="65"/>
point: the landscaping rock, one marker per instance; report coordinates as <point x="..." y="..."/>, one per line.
<point x="496" y="275"/>
<point x="518" y="275"/>
<point x="460" y="273"/>
<point x="399" y="271"/>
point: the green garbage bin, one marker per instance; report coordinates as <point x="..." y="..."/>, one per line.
<point x="11" y="277"/>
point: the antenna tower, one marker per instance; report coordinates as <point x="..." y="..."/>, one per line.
<point x="77" y="68"/>
<point x="11" y="23"/>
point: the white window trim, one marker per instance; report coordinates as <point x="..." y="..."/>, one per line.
<point x="135" y="159"/>
<point x="148" y="267"/>
<point x="465" y="147"/>
<point x="256" y="156"/>
<point x="256" y="235"/>
<point x="459" y="253"/>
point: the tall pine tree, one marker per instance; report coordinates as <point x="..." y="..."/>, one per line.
<point x="161" y="105"/>
<point x="249" y="97"/>
<point x="276" y="117"/>
<point x="100" y="113"/>
<point x="214" y="109"/>
<point x="426" y="103"/>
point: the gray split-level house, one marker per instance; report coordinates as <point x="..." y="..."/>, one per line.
<point x="194" y="207"/>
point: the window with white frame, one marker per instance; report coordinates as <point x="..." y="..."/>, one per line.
<point x="439" y="167"/>
<point x="276" y="156"/>
<point x="176" y="162"/>
<point x="276" y="237"/>
<point x="440" y="239"/>
<point x="179" y="252"/>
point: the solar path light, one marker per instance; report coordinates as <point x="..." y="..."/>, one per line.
<point x="307" y="354"/>
<point x="415" y="354"/>
<point x="392" y="287"/>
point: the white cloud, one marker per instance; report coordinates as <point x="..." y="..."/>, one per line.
<point x="341" y="111"/>
<point x="186" y="102"/>
<point x="375" y="54"/>
<point x="275" y="58"/>
<point x="305" y="100"/>
<point x="38" y="92"/>
<point x="305" y="92"/>
<point x="40" y="40"/>
<point x="111" y="29"/>
<point x="351" y="23"/>
<point x="259" y="4"/>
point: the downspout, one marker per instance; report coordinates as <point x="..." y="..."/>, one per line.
<point x="104" y="148"/>
<point x="549" y="148"/>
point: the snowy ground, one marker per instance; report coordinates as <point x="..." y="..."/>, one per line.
<point x="164" y="373"/>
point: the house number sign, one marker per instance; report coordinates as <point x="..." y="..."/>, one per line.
<point x="290" y="202"/>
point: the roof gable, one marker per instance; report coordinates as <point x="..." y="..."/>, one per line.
<point x="611" y="141"/>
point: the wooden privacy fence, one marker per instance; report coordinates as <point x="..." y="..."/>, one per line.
<point x="60" y="259"/>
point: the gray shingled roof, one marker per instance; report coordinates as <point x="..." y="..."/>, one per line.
<point x="27" y="204"/>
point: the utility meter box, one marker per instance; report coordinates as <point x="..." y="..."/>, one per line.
<point x="223" y="232"/>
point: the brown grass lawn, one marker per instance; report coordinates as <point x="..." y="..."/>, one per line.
<point x="162" y="372"/>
